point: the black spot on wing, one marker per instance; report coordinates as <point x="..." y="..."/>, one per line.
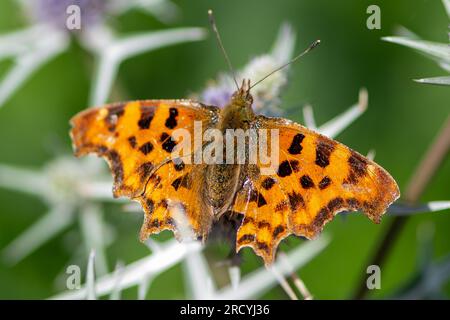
<point x="171" y="121"/>
<point x="296" y="201"/>
<point x="163" y="136"/>
<point x="132" y="141"/>
<point x="176" y="183"/>
<point x="296" y="144"/>
<point x="147" y="114"/>
<point x="335" y="204"/>
<point x="114" y="113"/>
<point x="178" y="164"/>
<point x="353" y="203"/>
<point x="248" y="219"/>
<point x="351" y="178"/>
<point x="168" y="143"/>
<point x="183" y="181"/>
<point x="246" y="238"/>
<point x="306" y="182"/>
<point x="325" y="182"/>
<point x="115" y="163"/>
<point x="264" y="224"/>
<point x="358" y="166"/>
<point x="116" y="110"/>
<point x="261" y="201"/>
<point x="149" y="205"/>
<point x="284" y="169"/>
<point x="323" y="152"/>
<point x="294" y="165"/>
<point x="323" y="215"/>
<point x="144" y="170"/>
<point x="164" y="203"/>
<point x="326" y="213"/>
<point x="146" y="148"/>
<point x="156" y="180"/>
<point x="263" y="246"/>
<point x="281" y="206"/>
<point x="268" y="183"/>
<point x="278" y="230"/>
<point x="256" y="196"/>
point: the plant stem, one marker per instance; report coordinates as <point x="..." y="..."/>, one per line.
<point x="417" y="185"/>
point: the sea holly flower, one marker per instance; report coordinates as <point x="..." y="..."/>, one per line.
<point x="198" y="274"/>
<point x="48" y="35"/>
<point x="74" y="190"/>
<point x="57" y="12"/>
<point x="266" y="96"/>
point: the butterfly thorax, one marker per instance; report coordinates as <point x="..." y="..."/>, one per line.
<point x="223" y="179"/>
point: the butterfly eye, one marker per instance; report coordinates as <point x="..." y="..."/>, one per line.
<point x="249" y="99"/>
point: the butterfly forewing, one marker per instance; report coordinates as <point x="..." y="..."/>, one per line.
<point x="136" y="139"/>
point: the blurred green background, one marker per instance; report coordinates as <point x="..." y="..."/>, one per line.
<point x="402" y="119"/>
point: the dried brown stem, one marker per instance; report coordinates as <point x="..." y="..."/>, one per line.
<point x="298" y="282"/>
<point x="417" y="185"/>
<point x="301" y="287"/>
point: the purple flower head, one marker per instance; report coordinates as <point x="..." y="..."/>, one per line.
<point x="218" y="96"/>
<point x="266" y="95"/>
<point x="55" y="12"/>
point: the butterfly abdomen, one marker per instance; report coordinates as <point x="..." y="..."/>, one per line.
<point x="221" y="184"/>
<point x="222" y="179"/>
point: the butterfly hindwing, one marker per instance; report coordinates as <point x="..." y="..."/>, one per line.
<point x="265" y="221"/>
<point x="173" y="201"/>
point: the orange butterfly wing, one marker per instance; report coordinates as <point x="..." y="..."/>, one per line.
<point x="136" y="140"/>
<point x="316" y="178"/>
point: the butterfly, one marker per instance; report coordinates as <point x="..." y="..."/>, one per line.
<point x="314" y="178"/>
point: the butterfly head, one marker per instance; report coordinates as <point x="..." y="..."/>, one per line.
<point x="242" y="100"/>
<point x="242" y="95"/>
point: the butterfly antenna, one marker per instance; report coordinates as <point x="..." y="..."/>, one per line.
<point x="212" y="21"/>
<point x="311" y="46"/>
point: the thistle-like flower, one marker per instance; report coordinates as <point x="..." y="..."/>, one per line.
<point x="267" y="94"/>
<point x="74" y="191"/>
<point x="56" y="12"/>
<point x="48" y="35"/>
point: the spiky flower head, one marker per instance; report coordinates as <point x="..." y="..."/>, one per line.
<point x="57" y="12"/>
<point x="266" y="95"/>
